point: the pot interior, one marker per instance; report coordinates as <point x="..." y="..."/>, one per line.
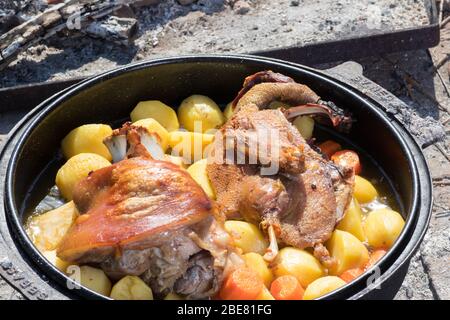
<point x="110" y="99"/>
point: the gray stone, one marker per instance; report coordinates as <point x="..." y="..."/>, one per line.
<point x="241" y="7"/>
<point x="435" y="252"/>
<point x="9" y="293"/>
<point x="146" y="2"/>
<point x="416" y="285"/>
<point x="186" y="2"/>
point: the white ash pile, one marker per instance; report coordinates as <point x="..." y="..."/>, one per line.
<point x="149" y="29"/>
<point x="24" y="23"/>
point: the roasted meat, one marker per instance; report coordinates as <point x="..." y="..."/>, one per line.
<point x="301" y="203"/>
<point x="148" y="218"/>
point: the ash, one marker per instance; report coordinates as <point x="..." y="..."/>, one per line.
<point x="211" y="26"/>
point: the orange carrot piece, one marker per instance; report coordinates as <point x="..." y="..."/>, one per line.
<point x="374" y="257"/>
<point x="347" y="158"/>
<point x="351" y="274"/>
<point x="242" y="284"/>
<point x="329" y="147"/>
<point x="286" y="288"/>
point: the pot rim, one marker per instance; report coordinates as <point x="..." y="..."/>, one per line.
<point x="53" y="103"/>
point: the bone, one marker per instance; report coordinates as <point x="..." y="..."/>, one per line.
<point x="117" y="146"/>
<point x="151" y="143"/>
<point x="337" y="117"/>
<point x="272" y="250"/>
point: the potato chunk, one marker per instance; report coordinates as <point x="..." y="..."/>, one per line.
<point x="157" y="110"/>
<point x="179" y="161"/>
<point x="87" y="139"/>
<point x="131" y="288"/>
<point x="352" y="221"/>
<point x="198" y="110"/>
<point x="190" y="145"/>
<point x="54" y="260"/>
<point x="256" y="262"/>
<point x="265" y="295"/>
<point x="348" y="251"/>
<point x="322" y="286"/>
<point x="305" y="125"/>
<point x="364" y="191"/>
<point x="153" y="126"/>
<point x="199" y="174"/>
<point x="298" y="263"/>
<point x="382" y="227"/>
<point x="228" y="112"/>
<point x="95" y="279"/>
<point x="76" y="169"/>
<point x="46" y="230"/>
<point x="246" y="236"/>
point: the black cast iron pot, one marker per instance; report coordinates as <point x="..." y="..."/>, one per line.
<point x="34" y="148"/>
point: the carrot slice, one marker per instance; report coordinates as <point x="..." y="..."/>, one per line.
<point x="329" y="147"/>
<point x="242" y="284"/>
<point x="286" y="288"/>
<point x="347" y="158"/>
<point x="351" y="274"/>
<point x="374" y="257"/>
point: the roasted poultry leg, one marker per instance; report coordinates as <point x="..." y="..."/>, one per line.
<point x="300" y="204"/>
<point x="148" y="218"/>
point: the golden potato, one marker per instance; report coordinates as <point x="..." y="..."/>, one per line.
<point x="246" y="236"/>
<point x="256" y="262"/>
<point x="364" y="191"/>
<point x="87" y="139"/>
<point x="228" y="112"/>
<point x="348" y="251"/>
<point x="173" y="296"/>
<point x="153" y="126"/>
<point x="95" y="279"/>
<point x="179" y="161"/>
<point x="382" y="227"/>
<point x="201" y="111"/>
<point x="352" y="221"/>
<point x="190" y="145"/>
<point x="322" y="286"/>
<point x="298" y="263"/>
<point x="305" y="125"/>
<point x="157" y="110"/>
<point x="131" y="288"/>
<point x="76" y="169"/>
<point x="46" y="230"/>
<point x="55" y="260"/>
<point x="198" y="172"/>
<point x="265" y="295"/>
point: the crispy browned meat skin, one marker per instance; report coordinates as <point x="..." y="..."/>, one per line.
<point x="227" y="178"/>
<point x="260" y="77"/>
<point x="261" y="95"/>
<point x="307" y="197"/>
<point x="148" y="218"/>
<point x="125" y="205"/>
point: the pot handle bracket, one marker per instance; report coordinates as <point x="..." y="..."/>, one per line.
<point x="426" y="131"/>
<point x="23" y="279"/>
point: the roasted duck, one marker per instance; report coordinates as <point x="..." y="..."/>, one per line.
<point x="301" y="203"/>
